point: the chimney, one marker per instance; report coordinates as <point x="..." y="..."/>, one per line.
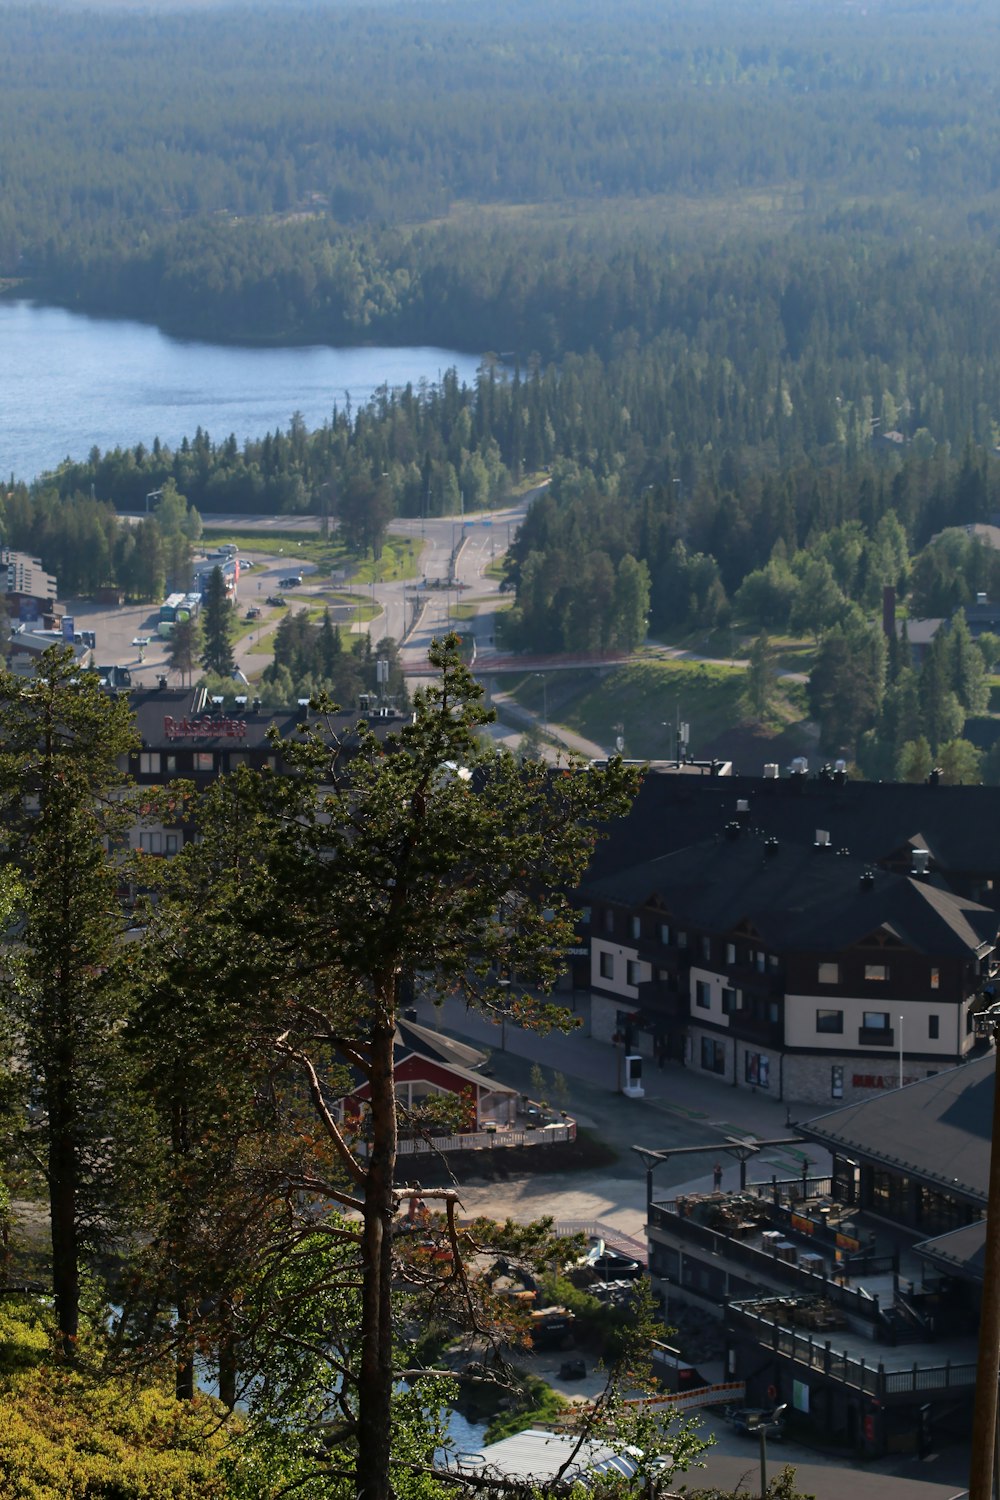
<point x="920" y="862"/>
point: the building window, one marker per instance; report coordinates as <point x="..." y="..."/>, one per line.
<point x="830" y="1021"/>
<point x="878" y="973"/>
<point x="171" y="843"/>
<point x="706" y="948"/>
<point x="934" y="1027"/>
<point x="585" y="916"/>
<point x="682" y="940"/>
<point x="757" y="1069"/>
<point x="665" y="934"/>
<point x="204" y="760"/>
<point x="609" y="919"/>
<point x="935" y="979"/>
<point x="149" y="762"/>
<point x="730" y="953"/>
<point x="728" y="1001"/>
<point x="633" y="971"/>
<point x="828" y="974"/>
<point x="151" y="843"/>
<point x="837" y="1081"/>
<point x="636" y="927"/>
<point x="773" y="961"/>
<point x="607" y="965"/>
<point x="713" y="1055"/>
<point x="171" y="766"/>
<point x="702" y="994"/>
<point x="875" y="1020"/>
<point x="760" y="959"/>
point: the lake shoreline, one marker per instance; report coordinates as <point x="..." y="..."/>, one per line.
<point x="40" y="297"/>
<point x="72" y="381"/>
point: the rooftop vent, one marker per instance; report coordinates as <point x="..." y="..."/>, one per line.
<point x="161" y="683"/>
<point x="771" y="847"/>
<point x="770" y="771"/>
<point x="241" y="701"/>
<point x="257" y="704"/>
<point x="920" y="860"/>
<point x="800" y="766"/>
<point x="217" y="701"/>
<point x="867" y="879"/>
<point x="732" y="830"/>
<point x="742" y="805"/>
<point x="823" y="838"/>
<point x="934" y="779"/>
<point x="981" y="599"/>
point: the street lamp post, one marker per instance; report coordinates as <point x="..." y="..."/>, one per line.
<point x="763" y="1428"/>
<point x="505" y="986"/>
<point x="545" y="702"/>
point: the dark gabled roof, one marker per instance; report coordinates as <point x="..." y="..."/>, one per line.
<point x="415" y="1038"/>
<point x="873" y="820"/>
<point x="800" y="899"/>
<point x="961" y="1251"/>
<point x="937" y="1130"/>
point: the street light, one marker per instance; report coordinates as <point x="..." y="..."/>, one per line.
<point x="505" y="986"/>
<point x="545" y="701"/>
<point x="763" y="1428"/>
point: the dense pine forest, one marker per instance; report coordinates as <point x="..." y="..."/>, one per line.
<point x="738" y="265"/>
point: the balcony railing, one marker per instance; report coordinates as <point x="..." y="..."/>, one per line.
<point x="820" y="1356"/>
<point x="764" y="1264"/>
<point x="754" y="1028"/>
<point x="876" y="1036"/>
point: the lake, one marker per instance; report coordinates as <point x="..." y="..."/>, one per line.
<point x="68" y="382"/>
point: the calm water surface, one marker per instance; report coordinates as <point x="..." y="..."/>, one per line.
<point x="69" y="381"/>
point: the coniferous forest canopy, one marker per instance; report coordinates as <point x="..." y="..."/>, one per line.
<point x="737" y="263"/>
<point x="721" y="250"/>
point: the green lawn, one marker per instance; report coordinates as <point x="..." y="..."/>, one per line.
<point x="647" y="698"/>
<point x="399" y="554"/>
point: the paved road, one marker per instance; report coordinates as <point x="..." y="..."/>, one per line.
<point x="681" y="1108"/>
<point x="117" y="629"/>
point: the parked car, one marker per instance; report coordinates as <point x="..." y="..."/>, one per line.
<point x="573" y="1369"/>
<point x="253" y="613"/>
<point x="276" y="601"/>
<point x="291" y="582"/>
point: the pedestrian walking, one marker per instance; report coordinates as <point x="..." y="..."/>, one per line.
<point x="717" y="1176"/>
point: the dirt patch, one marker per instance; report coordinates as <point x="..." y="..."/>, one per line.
<point x="582" y="1155"/>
